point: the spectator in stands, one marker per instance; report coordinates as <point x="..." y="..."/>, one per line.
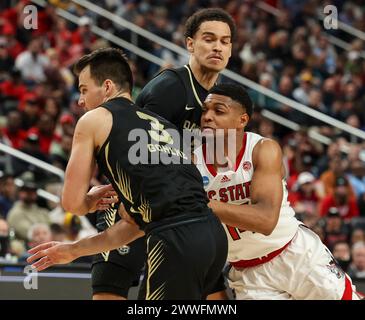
<point x="305" y="197"/>
<point x="26" y="211"/>
<point x="329" y="177"/>
<point x="39" y="233"/>
<point x="45" y="130"/>
<point x="301" y="93"/>
<point x="67" y="122"/>
<point x="58" y="232"/>
<point x="77" y="227"/>
<point x="60" y="151"/>
<point x="13" y="130"/>
<point x="32" y="62"/>
<point x="52" y="107"/>
<point x="332" y="152"/>
<point x="335" y="228"/>
<point x="342" y="253"/>
<point x="31" y="110"/>
<point x="83" y="34"/>
<point x="357" y="267"/>
<point x="357" y="177"/>
<point x="12" y="90"/>
<point x="357" y="235"/>
<point x="341" y="199"/>
<point x="7" y="194"/>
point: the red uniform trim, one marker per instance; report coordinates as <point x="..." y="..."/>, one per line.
<point x="347" y="294"/>
<point x="257" y="261"/>
<point x="239" y="157"/>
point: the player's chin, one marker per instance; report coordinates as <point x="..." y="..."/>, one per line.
<point x="208" y="132"/>
<point x="215" y="65"/>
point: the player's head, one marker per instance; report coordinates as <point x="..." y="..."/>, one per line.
<point x="102" y="74"/>
<point x="227" y="106"/>
<point x="209" y="34"/>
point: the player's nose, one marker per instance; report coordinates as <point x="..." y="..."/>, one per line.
<point x="81" y="102"/>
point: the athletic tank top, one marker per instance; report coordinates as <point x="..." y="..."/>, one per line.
<point x="234" y="187"/>
<point x="151" y="190"/>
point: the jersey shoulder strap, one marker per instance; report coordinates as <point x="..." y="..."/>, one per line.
<point x="186" y="77"/>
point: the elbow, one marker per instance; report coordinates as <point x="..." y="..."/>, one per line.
<point x="267" y="230"/>
<point x="71" y="206"/>
<point x="270" y="225"/>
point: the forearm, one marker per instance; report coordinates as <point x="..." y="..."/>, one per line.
<point x="114" y="237"/>
<point x="256" y="218"/>
<point x="80" y="209"/>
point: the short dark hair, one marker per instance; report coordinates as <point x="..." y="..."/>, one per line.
<point x="107" y="63"/>
<point x="211" y="14"/>
<point x="235" y="92"/>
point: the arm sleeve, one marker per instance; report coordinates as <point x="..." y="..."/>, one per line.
<point x="164" y="95"/>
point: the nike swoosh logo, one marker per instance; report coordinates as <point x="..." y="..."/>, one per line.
<point x="189" y="108"/>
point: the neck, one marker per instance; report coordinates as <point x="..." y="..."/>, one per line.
<point x="226" y="159"/>
<point x="206" y="78"/>
<point x="119" y="94"/>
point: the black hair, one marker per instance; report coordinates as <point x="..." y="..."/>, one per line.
<point x="107" y="63"/>
<point x="237" y="93"/>
<point x="211" y="14"/>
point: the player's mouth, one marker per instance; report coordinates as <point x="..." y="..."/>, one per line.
<point x="207" y="129"/>
<point x="215" y="57"/>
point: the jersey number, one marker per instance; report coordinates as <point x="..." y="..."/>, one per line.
<point x="235" y="232"/>
<point x="158" y="133"/>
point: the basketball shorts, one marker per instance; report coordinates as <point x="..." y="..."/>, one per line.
<point x="184" y="259"/>
<point x="304" y="270"/>
<point x="118" y="270"/>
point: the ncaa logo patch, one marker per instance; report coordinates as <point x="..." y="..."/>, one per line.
<point x="205" y="181"/>
<point x="246" y="165"/>
<point x="123" y="250"/>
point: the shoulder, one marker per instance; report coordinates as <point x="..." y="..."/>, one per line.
<point x="266" y="150"/>
<point x="92" y="120"/>
<point x="166" y="79"/>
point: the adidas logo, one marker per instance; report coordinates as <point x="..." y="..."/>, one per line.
<point x="225" y="179"/>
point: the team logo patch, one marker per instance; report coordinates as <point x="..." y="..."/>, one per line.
<point x="246" y="165"/>
<point x="205" y="181"/>
<point x="336" y="269"/>
<point x="123" y="250"/>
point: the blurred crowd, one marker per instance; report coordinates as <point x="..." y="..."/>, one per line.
<point x="289" y="53"/>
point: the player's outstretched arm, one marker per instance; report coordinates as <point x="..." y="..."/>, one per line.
<point x="266" y="193"/>
<point x="51" y="253"/>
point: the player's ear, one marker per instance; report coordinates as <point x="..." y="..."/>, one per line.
<point x="244" y="118"/>
<point x="108" y="87"/>
<point x="190" y="44"/>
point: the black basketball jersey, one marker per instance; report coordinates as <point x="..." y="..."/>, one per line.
<point x="131" y="158"/>
<point x="177" y="96"/>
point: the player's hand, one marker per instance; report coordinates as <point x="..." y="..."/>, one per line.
<point x="101" y="197"/>
<point x="123" y="213"/>
<point x="51" y="253"/>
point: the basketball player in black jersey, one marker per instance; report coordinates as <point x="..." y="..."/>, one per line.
<point x="186" y="245"/>
<point x="176" y="95"/>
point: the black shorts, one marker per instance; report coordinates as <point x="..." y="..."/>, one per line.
<point x="121" y="269"/>
<point x="184" y="259"/>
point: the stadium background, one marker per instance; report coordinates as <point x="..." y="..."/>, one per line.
<point x="307" y="82"/>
